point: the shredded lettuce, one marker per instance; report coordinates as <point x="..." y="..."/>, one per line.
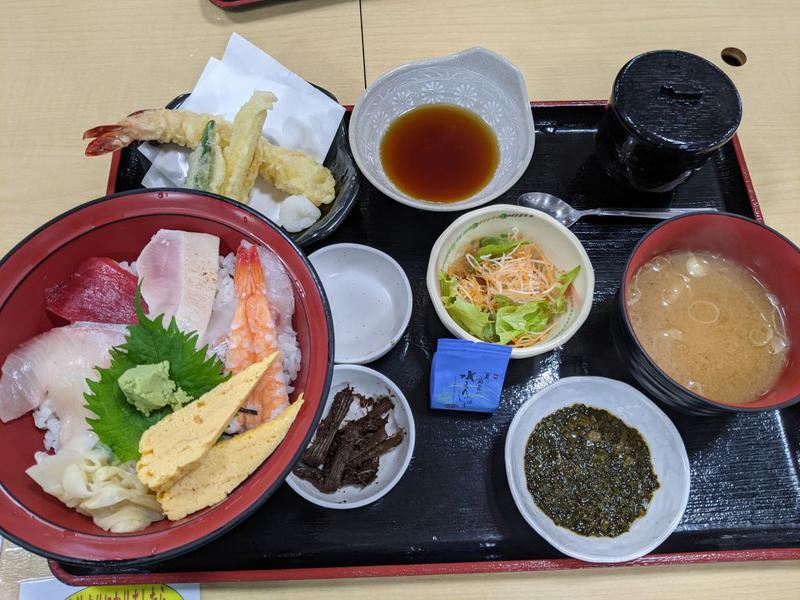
<point x="472" y="318"/>
<point x="514" y="321"/>
<point x="467" y="315"/>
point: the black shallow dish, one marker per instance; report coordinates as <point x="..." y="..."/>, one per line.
<point x="133" y="166"/>
<point x="453" y="504"/>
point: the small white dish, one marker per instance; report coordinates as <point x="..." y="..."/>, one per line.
<point x="393" y="464"/>
<point x="476" y="79"/>
<point x="557" y="242"/>
<point x="370" y="299"/>
<point x="670" y="463"/>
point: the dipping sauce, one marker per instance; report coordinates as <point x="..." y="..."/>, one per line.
<point x="439" y="153"/>
<point x="588" y="471"/>
<point x="709" y="324"/>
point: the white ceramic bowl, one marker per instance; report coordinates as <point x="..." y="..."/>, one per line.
<point x="476" y="79"/>
<point x="667" y="451"/>
<point x="557" y="242"/>
<point x="370" y="299"/>
<point x="393" y="464"/>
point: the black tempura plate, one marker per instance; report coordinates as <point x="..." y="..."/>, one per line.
<point x="129" y="166"/>
<point x="452" y="511"/>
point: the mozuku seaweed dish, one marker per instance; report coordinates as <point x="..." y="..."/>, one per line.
<point x="589" y="471"/>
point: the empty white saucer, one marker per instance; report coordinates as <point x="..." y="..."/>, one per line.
<point x="370" y="300"/>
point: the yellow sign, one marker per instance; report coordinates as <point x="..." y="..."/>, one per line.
<point x="126" y="592"/>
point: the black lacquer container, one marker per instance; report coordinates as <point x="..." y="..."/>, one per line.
<point x="668" y="112"/>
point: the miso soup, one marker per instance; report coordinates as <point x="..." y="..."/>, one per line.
<point x="709" y="324"/>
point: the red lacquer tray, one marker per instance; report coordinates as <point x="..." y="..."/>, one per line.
<point x="745" y="499"/>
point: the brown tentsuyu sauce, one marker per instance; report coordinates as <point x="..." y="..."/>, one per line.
<point x="439" y="153"/>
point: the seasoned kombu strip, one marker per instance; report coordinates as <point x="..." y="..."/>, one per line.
<point x="365" y="444"/>
<point x="363" y="475"/>
<point x="335" y="472"/>
<point x="315" y="454"/>
<point x="379" y="449"/>
<point x="374" y="419"/>
<point x="312" y="474"/>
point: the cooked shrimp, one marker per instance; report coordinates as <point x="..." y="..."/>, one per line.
<point x="252" y="338"/>
<point x="291" y="171"/>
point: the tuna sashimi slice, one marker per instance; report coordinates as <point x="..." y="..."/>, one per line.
<point x="100" y="291"/>
<point x="178" y="274"/>
<point x="55" y="366"/>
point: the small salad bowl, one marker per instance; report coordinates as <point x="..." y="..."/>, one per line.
<point x="556" y="242"/>
<point x="476" y="79"/>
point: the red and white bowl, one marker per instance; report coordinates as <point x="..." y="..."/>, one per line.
<point x="119" y="226"/>
<point x="773" y="259"/>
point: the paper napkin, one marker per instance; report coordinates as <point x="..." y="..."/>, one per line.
<point x="468" y="375"/>
<point x="303" y="118"/>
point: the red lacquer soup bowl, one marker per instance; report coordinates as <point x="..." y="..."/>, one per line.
<point x="775" y="262"/>
<point x="118" y="227"/>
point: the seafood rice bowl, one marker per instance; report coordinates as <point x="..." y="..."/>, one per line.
<point x="159" y="369"/>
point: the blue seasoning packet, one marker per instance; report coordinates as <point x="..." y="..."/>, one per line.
<point x="468" y="375"/>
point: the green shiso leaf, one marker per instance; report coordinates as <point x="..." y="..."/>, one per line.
<point x="119" y="425"/>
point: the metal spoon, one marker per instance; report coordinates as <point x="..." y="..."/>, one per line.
<point x="568" y="216"/>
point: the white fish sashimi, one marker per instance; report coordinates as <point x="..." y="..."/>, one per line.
<point x="54" y="366"/>
<point x="216" y="336"/>
<point x="178" y="275"/>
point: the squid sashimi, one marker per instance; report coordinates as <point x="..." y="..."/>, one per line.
<point x="54" y="366"/>
<point x="178" y="274"/>
<point x="100" y="291"/>
<point x="252" y="338"/>
<point x="280" y="293"/>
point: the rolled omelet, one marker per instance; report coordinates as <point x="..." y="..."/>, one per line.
<point x="172" y="446"/>
<point x="226" y="465"/>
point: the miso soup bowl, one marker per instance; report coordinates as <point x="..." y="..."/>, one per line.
<point x="773" y="259"/>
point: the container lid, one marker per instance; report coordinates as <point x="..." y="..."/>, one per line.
<point x="677" y="100"/>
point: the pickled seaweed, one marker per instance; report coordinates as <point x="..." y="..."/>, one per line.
<point x="588" y="471"/>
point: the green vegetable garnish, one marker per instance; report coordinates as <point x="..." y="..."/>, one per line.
<point x="119" y="425"/>
<point x="492" y="246"/>
<point x="515" y="320"/>
<point x="206" y="163"/>
<point x="564" y="281"/>
<point x="472" y="318"/>
<point x="467" y="315"/>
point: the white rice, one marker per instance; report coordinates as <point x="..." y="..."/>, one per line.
<point x="45" y="417"/>
<point x="130" y="267"/>
<point x="225" y="290"/>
